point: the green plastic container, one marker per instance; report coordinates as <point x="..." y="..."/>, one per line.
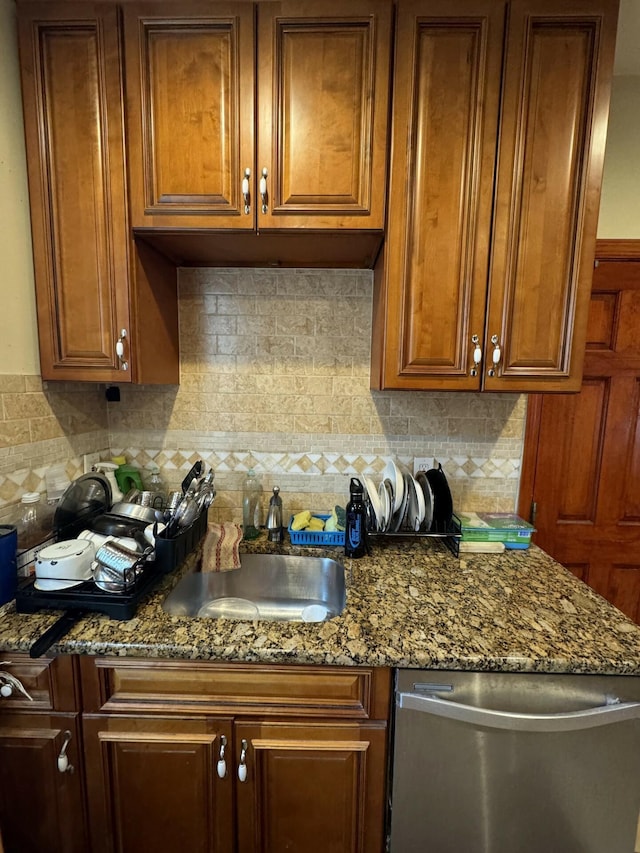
<point x="505" y="527"/>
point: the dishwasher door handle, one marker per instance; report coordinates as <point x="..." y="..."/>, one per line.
<point x="570" y="721"/>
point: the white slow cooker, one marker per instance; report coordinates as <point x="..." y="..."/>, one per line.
<point x="64" y="564"/>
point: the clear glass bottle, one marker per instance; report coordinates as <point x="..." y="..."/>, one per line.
<point x="156" y="487"/>
<point x="34" y="529"/>
<point x="251" y="490"/>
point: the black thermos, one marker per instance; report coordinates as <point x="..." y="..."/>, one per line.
<point x="355" y="535"/>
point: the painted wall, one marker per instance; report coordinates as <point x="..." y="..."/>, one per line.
<point x="18" y="333"/>
<point x="620" y="202"/>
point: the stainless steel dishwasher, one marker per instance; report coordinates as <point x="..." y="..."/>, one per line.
<point x="515" y="763"/>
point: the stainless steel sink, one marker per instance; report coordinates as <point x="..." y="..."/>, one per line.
<point x="274" y="587"/>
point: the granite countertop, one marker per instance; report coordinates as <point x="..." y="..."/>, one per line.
<point x="410" y="604"/>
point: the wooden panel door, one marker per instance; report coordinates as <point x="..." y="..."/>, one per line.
<point x="72" y="86"/>
<point x="41" y="808"/>
<point x="311" y="788"/>
<point x="431" y="283"/>
<point x="586" y="476"/>
<point x="152" y="784"/>
<point x="323" y="84"/>
<point x="558" y="67"/>
<point x="190" y="97"/>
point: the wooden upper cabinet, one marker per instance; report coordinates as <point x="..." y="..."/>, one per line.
<point x="323" y="82"/>
<point x="190" y="97"/>
<point x="70" y="57"/>
<point x="446" y="93"/>
<point x="200" y="143"/>
<point x="493" y="206"/>
<point x="558" y="68"/>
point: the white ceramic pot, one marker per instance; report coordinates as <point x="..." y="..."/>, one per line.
<point x="64" y="564"/>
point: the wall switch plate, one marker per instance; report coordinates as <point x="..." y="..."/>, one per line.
<point x="88" y="461"/>
<point x="422" y="463"/>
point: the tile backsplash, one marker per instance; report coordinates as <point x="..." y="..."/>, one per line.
<point x="274" y="376"/>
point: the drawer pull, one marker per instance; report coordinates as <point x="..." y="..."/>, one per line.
<point x="242" y="767"/>
<point x="222" y="764"/>
<point x="124" y="364"/>
<point x="64" y="765"/>
<point x="263" y="190"/>
<point x="9" y="685"/>
<point x="496" y="355"/>
<point x="477" y="355"/>
<point x="245" y="191"/>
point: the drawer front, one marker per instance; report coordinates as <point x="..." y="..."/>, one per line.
<point x="202" y="687"/>
<point x="49" y="682"/>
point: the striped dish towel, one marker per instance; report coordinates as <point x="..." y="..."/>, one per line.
<point x="220" y="549"/>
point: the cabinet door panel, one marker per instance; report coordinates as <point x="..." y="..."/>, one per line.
<point x="152" y="785"/>
<point x="40" y="807"/>
<point x="312" y="788"/>
<point x="323" y="100"/>
<point x="447" y="82"/>
<point x="73" y="121"/>
<point x="190" y="81"/>
<point x="554" y="120"/>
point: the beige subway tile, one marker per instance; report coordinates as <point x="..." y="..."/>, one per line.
<point x="25" y="406"/>
<point x="283" y="423"/>
<point x="351" y="425"/>
<point x="312" y="424"/>
<point x="14" y="432"/>
<point x="10" y="383"/>
<point x="44" y="428"/>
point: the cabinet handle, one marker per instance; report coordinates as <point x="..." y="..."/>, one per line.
<point x="496" y="355"/>
<point x="222" y="764"/>
<point x="64" y="766"/>
<point x="124" y="365"/>
<point x="263" y="189"/>
<point x="245" y="191"/>
<point x="477" y="355"/>
<point x="242" y="766"/>
<point x="10" y="684"/>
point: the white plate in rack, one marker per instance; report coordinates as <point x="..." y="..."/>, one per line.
<point x="393" y="475"/>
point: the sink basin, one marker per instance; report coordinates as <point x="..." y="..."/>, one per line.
<point x="274" y="587"/>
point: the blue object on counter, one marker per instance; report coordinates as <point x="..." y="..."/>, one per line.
<point x="8" y="571"/>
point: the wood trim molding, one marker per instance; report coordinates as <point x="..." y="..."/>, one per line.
<point x="614" y="250"/>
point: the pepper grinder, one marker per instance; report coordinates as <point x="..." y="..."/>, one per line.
<point x="275" y="530"/>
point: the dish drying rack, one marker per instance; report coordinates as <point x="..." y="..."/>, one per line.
<point x="449" y="533"/>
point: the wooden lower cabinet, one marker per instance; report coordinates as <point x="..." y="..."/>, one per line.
<point x="41" y="807"/>
<point x="311" y="788"/>
<point x="288" y="758"/>
<point x="152" y="784"/>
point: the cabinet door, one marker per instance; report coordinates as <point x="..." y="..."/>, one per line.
<point x="431" y="282"/>
<point x="558" y="66"/>
<point x="311" y="788"/>
<point x="70" y="58"/>
<point x="41" y="808"/>
<point x="323" y="83"/>
<point x="190" y="97"/>
<point x="152" y="784"/>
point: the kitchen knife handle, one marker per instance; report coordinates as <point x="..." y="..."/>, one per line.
<point x="55" y="632"/>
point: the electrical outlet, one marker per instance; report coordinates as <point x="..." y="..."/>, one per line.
<point x="88" y="460"/>
<point x="422" y="463"/>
